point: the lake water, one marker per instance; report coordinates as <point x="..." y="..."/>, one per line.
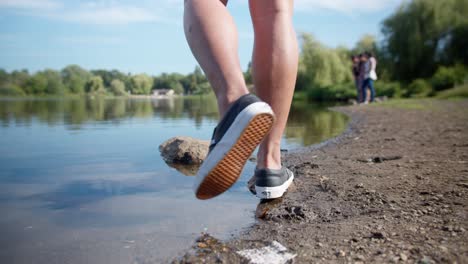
<point x="82" y="181"/>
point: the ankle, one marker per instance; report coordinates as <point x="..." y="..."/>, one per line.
<point x="269" y="157"/>
<point x="227" y="99"/>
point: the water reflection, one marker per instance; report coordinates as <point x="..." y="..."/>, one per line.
<point x="78" y="193"/>
<point x="308" y="123"/>
<point x="75" y="112"/>
<point x="312" y="123"/>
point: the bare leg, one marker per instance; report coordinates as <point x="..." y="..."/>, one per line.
<point x="368" y="95"/>
<point x="212" y="37"/>
<point x="275" y="61"/>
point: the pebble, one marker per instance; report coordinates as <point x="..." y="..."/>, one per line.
<point x="340" y="253"/>
<point x="378" y="235"/>
<point x="443" y="248"/>
<point x="403" y="257"/>
<point x="202" y="245"/>
<point x="426" y="260"/>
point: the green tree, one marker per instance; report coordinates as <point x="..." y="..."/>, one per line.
<point x="109" y="76"/>
<point x="19" y="78"/>
<point x="75" y="78"/>
<point x="248" y="74"/>
<point x="457" y="50"/>
<point x="366" y="43"/>
<point x="172" y="81"/>
<point x="323" y="66"/>
<point x="423" y="34"/>
<point x="95" y="85"/>
<point x="4" y="77"/>
<point x="117" y="87"/>
<point x="197" y="80"/>
<point x="177" y="87"/>
<point x="37" y="84"/>
<point x="54" y="82"/>
<point x="141" y="84"/>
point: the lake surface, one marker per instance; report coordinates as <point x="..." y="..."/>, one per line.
<point x="82" y="180"/>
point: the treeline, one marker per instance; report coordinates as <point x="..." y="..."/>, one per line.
<point x="74" y="80"/>
<point x="424" y="51"/>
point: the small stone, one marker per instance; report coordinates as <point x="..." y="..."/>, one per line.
<point x="378" y="235"/>
<point x="202" y="245"/>
<point x="340" y="253"/>
<point x="443" y="248"/>
<point x="425" y="260"/>
<point x="403" y="257"/>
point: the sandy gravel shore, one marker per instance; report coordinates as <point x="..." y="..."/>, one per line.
<point x="393" y="188"/>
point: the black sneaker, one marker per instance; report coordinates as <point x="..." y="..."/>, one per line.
<point x="271" y="184"/>
<point x="237" y="135"/>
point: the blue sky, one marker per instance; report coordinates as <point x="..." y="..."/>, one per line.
<point x="147" y="36"/>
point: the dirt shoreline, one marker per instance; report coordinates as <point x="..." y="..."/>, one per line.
<point x="392" y="188"/>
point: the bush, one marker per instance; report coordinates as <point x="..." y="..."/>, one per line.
<point x="390" y="89"/>
<point x="339" y="92"/>
<point x="418" y="88"/>
<point x="11" y="90"/>
<point x="448" y="77"/>
<point x="457" y="92"/>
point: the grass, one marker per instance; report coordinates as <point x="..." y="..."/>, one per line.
<point x="454" y="93"/>
<point x="417" y="104"/>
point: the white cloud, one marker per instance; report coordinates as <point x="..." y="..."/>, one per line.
<point x="100" y="12"/>
<point x="110" y="15"/>
<point x="91" y="40"/>
<point x="30" y="4"/>
<point x="345" y="6"/>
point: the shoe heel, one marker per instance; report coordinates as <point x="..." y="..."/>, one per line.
<point x="228" y="170"/>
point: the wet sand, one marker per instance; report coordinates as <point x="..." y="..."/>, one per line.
<point x="392" y="188"/>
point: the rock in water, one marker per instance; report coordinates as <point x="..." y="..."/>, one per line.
<point x="184" y="150"/>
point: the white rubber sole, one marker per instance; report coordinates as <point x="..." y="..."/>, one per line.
<point x="217" y="179"/>
<point x="273" y="192"/>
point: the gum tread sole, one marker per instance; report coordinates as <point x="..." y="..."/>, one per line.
<point x="228" y="170"/>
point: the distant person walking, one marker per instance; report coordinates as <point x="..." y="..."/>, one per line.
<point x="357" y="81"/>
<point x="370" y="65"/>
<point x="362" y="77"/>
<point x="246" y="120"/>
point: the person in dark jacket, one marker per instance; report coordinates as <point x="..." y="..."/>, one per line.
<point x="355" y="60"/>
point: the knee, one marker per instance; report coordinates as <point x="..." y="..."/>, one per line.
<point x="270" y="9"/>
<point x="224" y="2"/>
